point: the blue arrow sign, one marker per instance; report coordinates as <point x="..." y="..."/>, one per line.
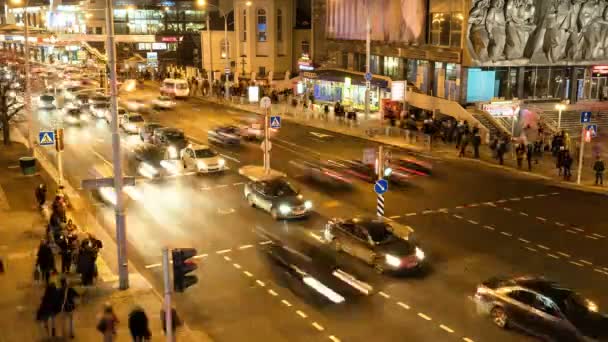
<point x="46" y="138"/>
<point x="275" y="122"/>
<point x="585" y="117"/>
<point x="368" y="76"/>
<point x="381" y="186"/>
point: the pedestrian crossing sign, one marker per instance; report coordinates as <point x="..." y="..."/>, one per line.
<point x="275" y="122"/>
<point x="46" y="138"/>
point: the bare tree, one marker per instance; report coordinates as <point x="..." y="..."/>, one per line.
<point x="10" y="105"/>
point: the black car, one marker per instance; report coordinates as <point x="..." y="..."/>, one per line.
<point x="278" y="197"/>
<point x="147" y="131"/>
<point x="73" y="116"/>
<point x="322" y="172"/>
<point x="377" y="242"/>
<point x="172" y="139"/>
<point x="367" y="172"/>
<point x="411" y="165"/>
<point x="225" y="135"/>
<point x="150" y="161"/>
<point x="542" y="308"/>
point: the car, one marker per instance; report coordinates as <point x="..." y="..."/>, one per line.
<point x="163" y="102"/>
<point x="46" y="101"/>
<point x="382" y="244"/>
<point x="542" y="308"/>
<point x="149" y="161"/>
<point x="73" y="116"/>
<point x="321" y="172"/>
<point x="277" y="196"/>
<point x="175" y="87"/>
<point x="367" y="173"/>
<point x="225" y="135"/>
<point x="81" y="99"/>
<point x="410" y="165"/>
<point x="147" y="131"/>
<point x="131" y="122"/>
<point x="136" y="105"/>
<point x="100" y="110"/>
<point x="99" y="98"/>
<point x="202" y="159"/>
<point x="172" y="139"/>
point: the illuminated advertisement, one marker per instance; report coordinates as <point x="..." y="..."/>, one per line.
<point x="254" y="93"/>
<point x="391" y="20"/>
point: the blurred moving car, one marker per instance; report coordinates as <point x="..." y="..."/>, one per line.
<point x="149" y="161"/>
<point x="46" y="102"/>
<point x="100" y="110"/>
<point x="99" y="98"/>
<point x="73" y="116"/>
<point x="202" y="159"/>
<point x="175" y="87"/>
<point x="321" y="172"/>
<point x="411" y="165"/>
<point x="163" y="102"/>
<point x="131" y="122"/>
<point x="542" y="308"/>
<point x="225" y="135"/>
<point x="81" y="99"/>
<point x="137" y="105"/>
<point x="146" y="133"/>
<point x="367" y="172"/>
<point x="172" y="139"/>
<point x="387" y="246"/>
<point x="278" y="197"/>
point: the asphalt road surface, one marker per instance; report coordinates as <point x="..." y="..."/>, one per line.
<point x="473" y="223"/>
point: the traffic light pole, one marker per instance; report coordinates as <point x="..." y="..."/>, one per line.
<point x="167" y="284"/>
<point x="580" y="155"/>
<point x="266" y="143"/>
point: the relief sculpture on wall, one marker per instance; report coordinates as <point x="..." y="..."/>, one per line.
<point x="519" y="32"/>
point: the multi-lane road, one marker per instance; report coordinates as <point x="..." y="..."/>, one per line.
<point x="473" y="223"/>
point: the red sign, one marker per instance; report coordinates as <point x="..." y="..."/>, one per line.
<point x="600" y="69"/>
<point x="170" y="39"/>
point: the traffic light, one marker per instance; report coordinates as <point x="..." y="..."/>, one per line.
<point x="182" y="265"/>
<point x="59" y="139"/>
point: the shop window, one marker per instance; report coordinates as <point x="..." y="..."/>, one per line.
<point x="244" y="26"/>
<point x="262" y="26"/>
<point x="446" y="29"/>
<point x="279" y="25"/>
<point x="456" y="29"/>
<point x="225" y="49"/>
<point x="391" y="66"/>
<point x="374" y="64"/>
<point x="305" y="47"/>
<point x="344" y="60"/>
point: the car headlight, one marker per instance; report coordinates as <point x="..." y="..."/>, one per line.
<point x="308" y="205"/>
<point x="392" y="260"/>
<point x="284" y="209"/>
<point x="222" y="162"/>
<point x="148" y="170"/>
<point x="130" y="126"/>
<point x="420" y="254"/>
<point x="201" y="164"/>
<point x="172" y="152"/>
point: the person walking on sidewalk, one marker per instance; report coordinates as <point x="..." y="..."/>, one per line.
<point x="599" y="168"/>
<point x="48" y="309"/>
<point x="519" y="154"/>
<point x="529" y="157"/>
<point x="501" y="149"/>
<point x="559" y="162"/>
<point x="41" y="195"/>
<point x="476" y="141"/>
<point x="464" y="142"/>
<point x="45" y="260"/>
<point x="66" y="252"/>
<point x="567" y="165"/>
<point x="107" y="323"/>
<point x="138" y="325"/>
<point x="68" y="305"/>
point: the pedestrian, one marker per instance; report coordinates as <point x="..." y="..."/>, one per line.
<point x="48" y="309"/>
<point x="599" y="168"/>
<point x="138" y="325"/>
<point x="501" y="149"/>
<point x="529" y="157"/>
<point x="107" y="323"/>
<point x="65" y="250"/>
<point x="464" y="141"/>
<point x="567" y="165"/>
<point x="41" y="195"/>
<point x="476" y="141"/>
<point x="459" y="133"/>
<point x="45" y="260"/>
<point x="175" y="321"/>
<point x="519" y="154"/>
<point x="559" y="161"/>
<point x="68" y="305"/>
<point x="86" y="265"/>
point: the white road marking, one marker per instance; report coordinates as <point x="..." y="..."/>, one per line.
<point x="316" y="236"/>
<point x="301" y="314"/>
<point x="238" y="183"/>
<point x="523" y="240"/>
<point x="385" y="295"/>
<point x="555" y="193"/>
<point x="153" y="265"/>
<point x="559" y="224"/>
<point x="424" y="316"/>
<point x="474" y="205"/>
<point x="466" y="339"/>
<point x="403" y="305"/>
<point x="394" y="217"/>
<point x="541" y="218"/>
<point x="200" y="256"/>
<point x="446" y="328"/>
<point x="245" y="246"/>
<point x="227" y="258"/>
<point x="553" y="256"/>
<point x="265" y="242"/>
<point x="564" y="254"/>
<point x="318" y="326"/>
<point x="272" y="292"/>
<point x="501" y="201"/>
<point x="223" y="251"/>
<point x="578" y="229"/>
<point x="541" y="195"/>
<point x="473" y="222"/>
<point x="460" y="207"/>
<point x="507" y="209"/>
<point x="543" y="247"/>
<point x="249" y="274"/>
<point x="571" y="231"/>
<point x="231" y="158"/>
<point x="577" y="263"/>
<point x="600" y="271"/>
<point x="522" y="213"/>
<point x="334" y="338"/>
<point x="286" y="302"/>
<point x="528" y="197"/>
<point x="427" y="212"/>
<point x="491" y="204"/>
<point x="506" y="234"/>
<point x="488" y="227"/>
<point x="410" y="214"/>
<point x="515" y="199"/>
<point x="221" y="186"/>
<point x="261" y="283"/>
<point x="237" y="266"/>
<point x="599" y="235"/>
<point x="585" y="261"/>
<point x="531" y="249"/>
<point x="591" y="237"/>
<point x="457" y="216"/>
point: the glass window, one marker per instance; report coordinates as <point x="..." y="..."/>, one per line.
<point x="523" y="297"/>
<point x="456" y="29"/>
<point x="374" y="64"/>
<point x="225" y="48"/>
<point x="279" y="25"/>
<point x="446" y="29"/>
<point x="262" y="25"/>
<point x="344" y="60"/>
<point x="391" y="66"/>
<point x="244" y="27"/>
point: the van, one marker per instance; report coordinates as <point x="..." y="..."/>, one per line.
<point x="175" y="88"/>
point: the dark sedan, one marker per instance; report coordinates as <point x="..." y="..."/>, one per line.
<point x="172" y="139"/>
<point x="322" y="172"/>
<point x="225" y="135"/>
<point x="542" y="308"/>
<point x="383" y="245"/>
<point x="411" y="165"/>
<point x="278" y="197"/>
<point x="149" y="161"/>
<point x="147" y="131"/>
<point x="367" y="172"/>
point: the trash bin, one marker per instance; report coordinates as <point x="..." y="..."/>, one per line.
<point x="28" y="165"/>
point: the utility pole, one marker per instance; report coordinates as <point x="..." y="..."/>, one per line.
<point x="580" y="155"/>
<point x="368" y="32"/>
<point x="210" y="72"/>
<point x="59" y="149"/>
<point x="167" y="303"/>
<point x="121" y="239"/>
<point x="28" y="85"/>
<point x="265" y="103"/>
<point x="227" y="67"/>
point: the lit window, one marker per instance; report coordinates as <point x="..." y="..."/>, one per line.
<point x="279" y="25"/>
<point x="262" y="25"/>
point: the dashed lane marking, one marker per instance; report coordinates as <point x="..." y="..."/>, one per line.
<point x="599" y="235"/>
<point x="528" y="197"/>
<point x="514" y="199"/>
<point x="272" y="292"/>
<point x="424" y="316"/>
<point x="318" y="326"/>
<point x="522" y="213"/>
<point x="564" y="254"/>
<point x="410" y="214"/>
<point x="531" y="249"/>
<point x="473" y="222"/>
<point x="523" y="240"/>
<point x="227" y="258"/>
<point x="287" y="303"/>
<point x="394" y="217"/>
<point x="265" y="242"/>
<point x="237" y="266"/>
<point x="552" y="256"/>
<point x="466" y="339"/>
<point x="473" y="205"/>
<point x="506" y="233"/>
<point x="403" y="305"/>
<point x="153" y="265"/>
<point x="578" y="229"/>
<point x="559" y="224"/>
<point x="591" y="237"/>
<point x="249" y="274"/>
<point x="334" y="338"/>
<point x="577" y="263"/>
<point x="245" y="246"/>
<point x="541" y="218"/>
<point x="460" y="207"/>
<point x="457" y="216"/>
<point x="261" y="283"/>
<point x="488" y="227"/>
<point x="507" y="209"/>
<point x="383" y="294"/>
<point x="571" y="231"/>
<point x="542" y="247"/>
<point x="223" y="251"/>
<point x="200" y="256"/>
<point x="301" y="314"/>
<point x="446" y="328"/>
<point x="585" y="262"/>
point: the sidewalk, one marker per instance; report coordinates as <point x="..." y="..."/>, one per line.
<point x="21" y="230"/>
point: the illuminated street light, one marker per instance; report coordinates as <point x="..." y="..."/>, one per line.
<point x="560" y="107"/>
<point x="166" y="8"/>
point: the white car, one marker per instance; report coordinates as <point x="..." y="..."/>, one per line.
<point x="202" y="159"/>
<point x="130" y="122"/>
<point x="175" y="87"/>
<point x="163" y="102"/>
<point x="136" y="105"/>
<point x="100" y="110"/>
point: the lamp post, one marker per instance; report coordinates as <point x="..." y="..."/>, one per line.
<point x="560" y="107"/>
<point x="368" y="32"/>
<point x="224" y="14"/>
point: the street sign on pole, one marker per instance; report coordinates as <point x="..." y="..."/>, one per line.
<point x="381" y="186"/>
<point x="265" y="102"/>
<point x="108" y="182"/>
<point x="46" y="138"/>
<point x="275" y="121"/>
<point x="593" y="129"/>
<point x="368" y="76"/>
<point x="585" y="117"/>
<point x="263" y="145"/>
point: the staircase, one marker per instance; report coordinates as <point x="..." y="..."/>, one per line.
<point x="571" y="121"/>
<point x="494" y="125"/>
<point x="93" y="51"/>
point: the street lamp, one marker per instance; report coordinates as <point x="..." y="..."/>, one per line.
<point x="560" y="107"/>
<point x="203" y="3"/>
<point x="28" y="88"/>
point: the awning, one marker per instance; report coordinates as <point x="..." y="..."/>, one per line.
<point x="358" y="78"/>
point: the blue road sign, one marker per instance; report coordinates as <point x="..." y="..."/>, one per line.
<point x="593" y="129"/>
<point x="368" y="76"/>
<point x="46" y="138"/>
<point x="275" y="122"/>
<point x="381" y="186"/>
<point x="585" y="117"/>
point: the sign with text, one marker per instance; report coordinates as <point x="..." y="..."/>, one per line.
<point x="398" y="90"/>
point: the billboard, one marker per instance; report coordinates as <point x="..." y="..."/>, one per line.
<point x="391" y="20"/>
